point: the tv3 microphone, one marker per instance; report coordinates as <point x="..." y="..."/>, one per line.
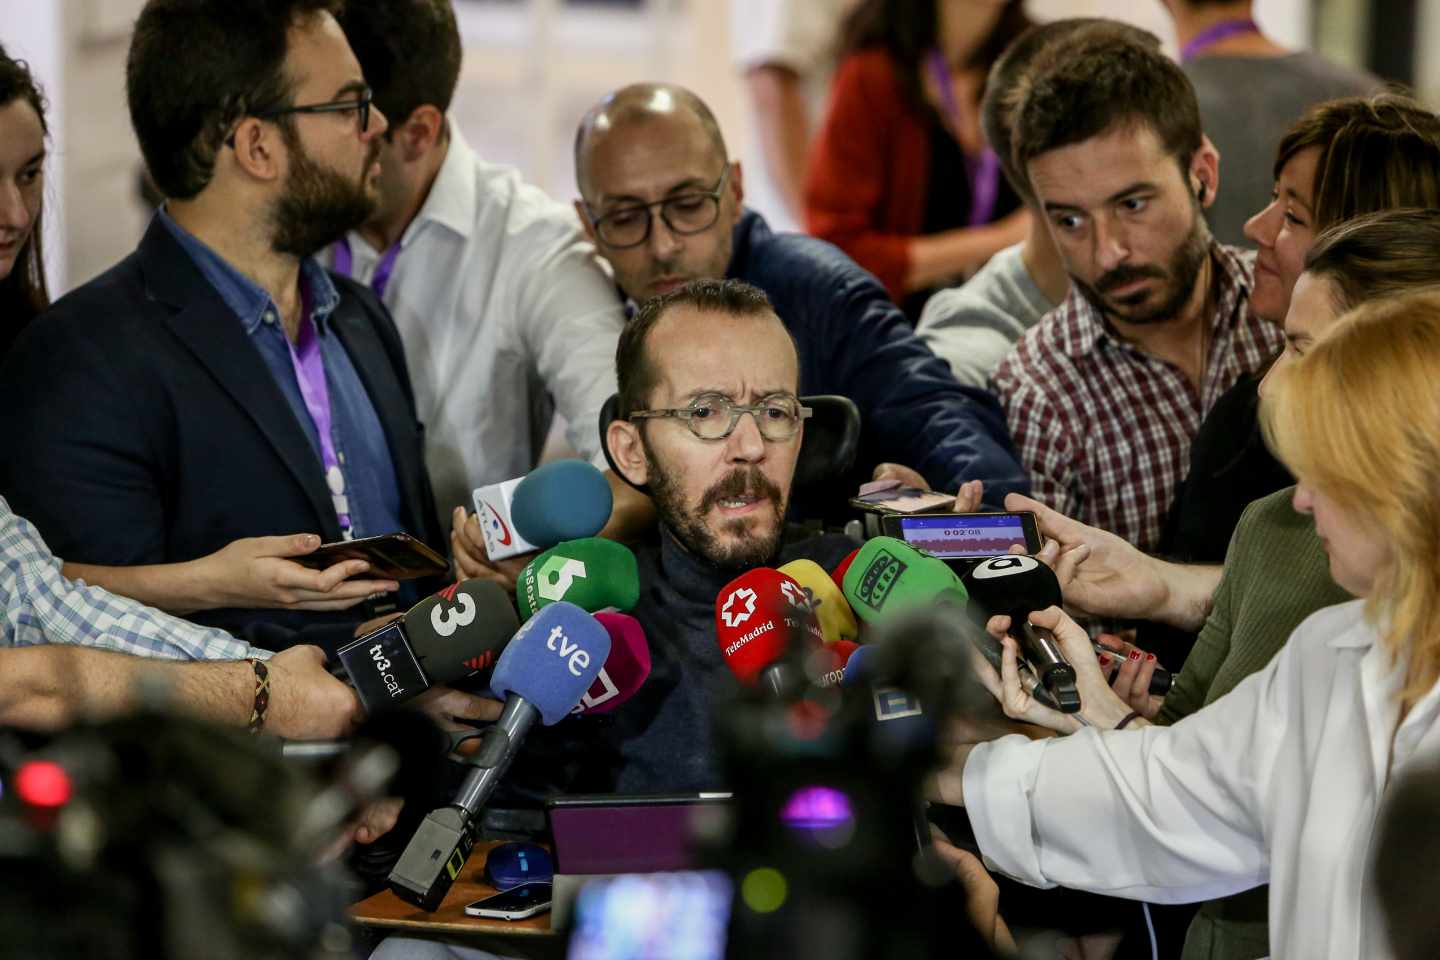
<point x="837" y="620"/>
<point x="593" y="573"/>
<point x="756" y="615"/>
<point x="563" y="500"/>
<point x="543" y="673"/>
<point x="1015" y="586"/>
<point x="452" y="634"/>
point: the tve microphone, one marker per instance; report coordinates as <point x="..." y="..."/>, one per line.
<point x="626" y="669"/>
<point x="837" y="620"/>
<point x="755" y="616"/>
<point x="543" y="673"/>
<point x="1015" y="586"/>
<point x="889" y="576"/>
<point x="456" y="632"/>
<point x="593" y="573"/>
<point x="563" y="500"/>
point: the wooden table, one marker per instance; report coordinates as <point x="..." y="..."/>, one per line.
<point x="385" y="909"/>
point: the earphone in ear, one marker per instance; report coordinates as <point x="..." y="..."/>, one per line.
<point x="1201" y="193"/>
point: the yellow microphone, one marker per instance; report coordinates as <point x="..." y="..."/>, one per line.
<point x="837" y="620"/>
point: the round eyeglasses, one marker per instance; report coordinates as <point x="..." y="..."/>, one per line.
<point x="686" y="214"/>
<point x="714" y="417"/>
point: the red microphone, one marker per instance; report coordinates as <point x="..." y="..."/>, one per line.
<point x="626" y="668"/>
<point x="755" y="616"/>
<point x="838" y="574"/>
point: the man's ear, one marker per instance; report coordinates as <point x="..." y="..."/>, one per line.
<point x="421" y="132"/>
<point x="628" y="451"/>
<point x="585" y="223"/>
<point x="737" y="182"/>
<point x="255" y="149"/>
<point x="1205" y="172"/>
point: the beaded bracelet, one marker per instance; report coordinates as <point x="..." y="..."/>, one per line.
<point x="1132" y="715"/>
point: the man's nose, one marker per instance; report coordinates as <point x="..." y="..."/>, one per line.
<point x="1111" y="248"/>
<point x="745" y="444"/>
<point x="664" y="242"/>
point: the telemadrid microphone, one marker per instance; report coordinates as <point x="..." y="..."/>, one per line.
<point x="1014" y="586"/>
<point x="543" y="673"/>
<point x="563" y="500"/>
<point x="626" y="669"/>
<point x="888" y="576"/>
<point x="452" y="634"/>
<point x="837" y="620"/>
<point x="755" y="616"/>
<point x="593" y="573"/>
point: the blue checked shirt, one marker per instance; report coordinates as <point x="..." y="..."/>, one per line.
<point x="41" y="606"/>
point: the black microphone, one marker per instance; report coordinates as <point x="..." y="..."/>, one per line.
<point x="443" y="638"/>
<point x="543" y="674"/>
<point x="1014" y="586"/>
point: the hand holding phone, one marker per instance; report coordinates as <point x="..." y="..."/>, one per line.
<point x="965" y="536"/>
<point x="398" y="556"/>
<point x="517" y="903"/>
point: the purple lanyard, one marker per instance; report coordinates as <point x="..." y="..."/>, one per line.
<point x="345" y="263"/>
<point x="310" y="373"/>
<point x="983" y="171"/>
<point x="1213" y="35"/>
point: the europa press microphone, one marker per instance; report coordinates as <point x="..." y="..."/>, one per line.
<point x="563" y="500"/>
<point x="543" y="673"/>
<point x="593" y="573"/>
<point x="755" y="617"/>
<point x="441" y="639"/>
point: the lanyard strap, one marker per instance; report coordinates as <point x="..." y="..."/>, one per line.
<point x="310" y="373"/>
<point x="345" y="265"/>
<point x="1213" y="35"/>
<point x="983" y="172"/>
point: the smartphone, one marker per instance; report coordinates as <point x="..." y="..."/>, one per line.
<point x="398" y="556"/>
<point x="902" y="500"/>
<point x="517" y="903"/>
<point x="965" y="536"/>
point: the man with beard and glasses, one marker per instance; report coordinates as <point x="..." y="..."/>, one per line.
<point x="709" y="420"/>
<point x="1105" y="395"/>
<point x="218" y="384"/>
<point x="664" y="206"/>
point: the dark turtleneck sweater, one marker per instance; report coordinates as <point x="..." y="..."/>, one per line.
<point x="662" y="740"/>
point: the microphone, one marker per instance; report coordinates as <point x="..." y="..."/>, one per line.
<point x="889" y="576"/>
<point x="754" y="616"/>
<point x="626" y="669"/>
<point x="843" y="567"/>
<point x="563" y="500"/>
<point x="593" y="573"/>
<point x="453" y="634"/>
<point x="827" y="664"/>
<point x="1014" y="586"/>
<point x="837" y="620"/>
<point x="543" y="673"/>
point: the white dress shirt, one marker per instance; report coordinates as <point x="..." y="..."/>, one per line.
<point x="507" y="316"/>
<point x="1281" y="780"/>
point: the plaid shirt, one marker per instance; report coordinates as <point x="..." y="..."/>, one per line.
<point x="42" y="606"/>
<point x="1105" y="428"/>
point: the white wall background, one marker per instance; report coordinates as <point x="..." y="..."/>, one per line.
<point x="531" y="68"/>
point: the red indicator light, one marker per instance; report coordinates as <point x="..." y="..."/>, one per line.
<point x="43" y="783"/>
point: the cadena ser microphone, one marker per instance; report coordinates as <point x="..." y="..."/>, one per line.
<point x="837" y="620"/>
<point x="756" y="615"/>
<point x="543" y="673"/>
<point x="593" y="573"/>
<point x="626" y="669"/>
<point x="1015" y="586"/>
<point x="563" y="500"/>
<point x="888" y="576"/>
<point x="457" y="632"/>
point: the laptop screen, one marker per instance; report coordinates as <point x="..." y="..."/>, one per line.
<point x="626" y="834"/>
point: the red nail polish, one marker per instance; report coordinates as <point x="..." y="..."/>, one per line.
<point x="1135" y="655"/>
<point x="1104" y="660"/>
<point x="1150" y="657"/>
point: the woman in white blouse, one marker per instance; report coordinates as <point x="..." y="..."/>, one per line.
<point x="1282" y="780"/>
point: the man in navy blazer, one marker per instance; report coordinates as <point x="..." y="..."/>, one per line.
<point x="217" y="383"/>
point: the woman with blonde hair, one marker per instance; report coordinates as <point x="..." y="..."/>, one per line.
<point x="1282" y="779"/>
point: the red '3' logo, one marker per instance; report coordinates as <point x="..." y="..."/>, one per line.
<point x="498" y="524"/>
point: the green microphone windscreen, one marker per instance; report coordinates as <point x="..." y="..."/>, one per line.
<point x="889" y="575"/>
<point x="593" y="573"/>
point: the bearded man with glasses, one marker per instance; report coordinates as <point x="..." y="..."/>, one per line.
<point x="663" y="204"/>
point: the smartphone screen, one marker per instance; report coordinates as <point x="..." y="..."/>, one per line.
<point x="528" y="898"/>
<point x="968" y="535"/>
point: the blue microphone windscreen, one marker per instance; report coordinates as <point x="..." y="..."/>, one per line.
<point x="563" y="500"/>
<point x="552" y="660"/>
<point x="860" y="668"/>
